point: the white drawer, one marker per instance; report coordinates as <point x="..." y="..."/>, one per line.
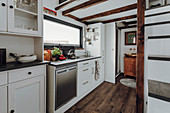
<point x="84" y="73"/>
<point x="159" y="71"/>
<point x="84" y="64"/>
<point x="25" y="73"/>
<point x="162" y="49"/>
<point x="84" y="86"/>
<point x="3" y="78"/>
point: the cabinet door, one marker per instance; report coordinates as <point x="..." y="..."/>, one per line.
<point x="27" y="96"/>
<point x="3" y="99"/>
<point x="3" y="15"/>
<point x="25" y="16"/>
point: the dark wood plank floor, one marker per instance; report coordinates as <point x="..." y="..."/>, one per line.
<point x="107" y="98"/>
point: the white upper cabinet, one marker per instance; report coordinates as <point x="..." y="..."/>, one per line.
<point x="24" y="16"/>
<point x="3" y="15"/>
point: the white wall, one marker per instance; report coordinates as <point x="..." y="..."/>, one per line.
<point x="17" y="44"/>
<point x="126" y="48"/>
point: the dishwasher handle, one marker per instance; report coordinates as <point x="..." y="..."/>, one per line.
<point x="72" y="68"/>
<point x="62" y="71"/>
<point x="66" y="70"/>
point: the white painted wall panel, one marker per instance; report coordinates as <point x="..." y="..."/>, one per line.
<point x="158" y="106"/>
<point x="17" y="44"/>
<point x="159" y="18"/>
<point x="110" y="52"/>
<point x="158" y="30"/>
<point x="159" y="70"/>
<point x="159" y="47"/>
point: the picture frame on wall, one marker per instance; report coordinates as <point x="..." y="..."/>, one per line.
<point x="130" y="38"/>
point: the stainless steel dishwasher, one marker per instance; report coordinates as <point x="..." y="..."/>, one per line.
<point x="66" y="84"/>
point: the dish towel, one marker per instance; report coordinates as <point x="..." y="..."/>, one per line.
<point x="97" y="69"/>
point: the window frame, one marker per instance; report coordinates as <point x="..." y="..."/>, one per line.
<point x="67" y="24"/>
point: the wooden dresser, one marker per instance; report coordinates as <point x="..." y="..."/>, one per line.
<point x="130" y="66"/>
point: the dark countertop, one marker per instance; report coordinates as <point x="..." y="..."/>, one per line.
<point x="15" y="65"/>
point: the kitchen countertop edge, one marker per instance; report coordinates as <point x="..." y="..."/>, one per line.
<point x="73" y="61"/>
<point x="14" y="65"/>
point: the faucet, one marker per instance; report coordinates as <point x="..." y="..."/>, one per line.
<point x="87" y="53"/>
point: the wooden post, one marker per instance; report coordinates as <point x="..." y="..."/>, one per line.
<point x="140" y="56"/>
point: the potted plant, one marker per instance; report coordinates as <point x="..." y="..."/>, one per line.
<point x="56" y="54"/>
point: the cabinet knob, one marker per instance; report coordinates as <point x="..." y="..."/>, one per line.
<point x="11" y="6"/>
<point x="29" y="73"/>
<point x="3" y="4"/>
<point x="12" y="111"/>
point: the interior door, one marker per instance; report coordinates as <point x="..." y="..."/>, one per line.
<point x="3" y="99"/>
<point x="110" y="65"/>
<point x="27" y="96"/>
<point x="3" y="15"/>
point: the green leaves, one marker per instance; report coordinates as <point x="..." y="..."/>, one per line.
<point x="56" y="51"/>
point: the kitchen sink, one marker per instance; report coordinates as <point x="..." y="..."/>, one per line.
<point x="84" y="56"/>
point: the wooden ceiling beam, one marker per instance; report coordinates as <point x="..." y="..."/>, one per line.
<point x="133" y="26"/>
<point x="119" y="19"/>
<point x="83" y="6"/>
<point x="110" y="12"/>
<point x="131" y="22"/>
<point x="74" y="17"/>
<point x="64" y="4"/>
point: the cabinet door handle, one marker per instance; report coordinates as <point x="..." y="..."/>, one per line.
<point x="85" y="63"/>
<point x="12" y="111"/>
<point x="85" y="82"/>
<point x="3" y="4"/>
<point x="29" y="73"/>
<point x="11" y="6"/>
<point x="86" y="70"/>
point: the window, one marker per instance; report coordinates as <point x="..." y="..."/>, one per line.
<point x="59" y="32"/>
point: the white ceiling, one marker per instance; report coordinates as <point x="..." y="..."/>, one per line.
<point x="102" y="7"/>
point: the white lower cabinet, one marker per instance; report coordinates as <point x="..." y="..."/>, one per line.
<point x="3" y="99"/>
<point x="158" y="106"/>
<point x="89" y="76"/>
<point x="84" y="80"/>
<point x="27" y="96"/>
<point x="23" y="91"/>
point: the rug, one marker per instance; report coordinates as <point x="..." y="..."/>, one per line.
<point x="128" y="82"/>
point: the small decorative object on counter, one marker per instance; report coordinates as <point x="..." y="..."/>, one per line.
<point x="23" y="58"/>
<point x="62" y="57"/>
<point x="56" y="53"/>
<point x="47" y="55"/>
<point x="2" y="56"/>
